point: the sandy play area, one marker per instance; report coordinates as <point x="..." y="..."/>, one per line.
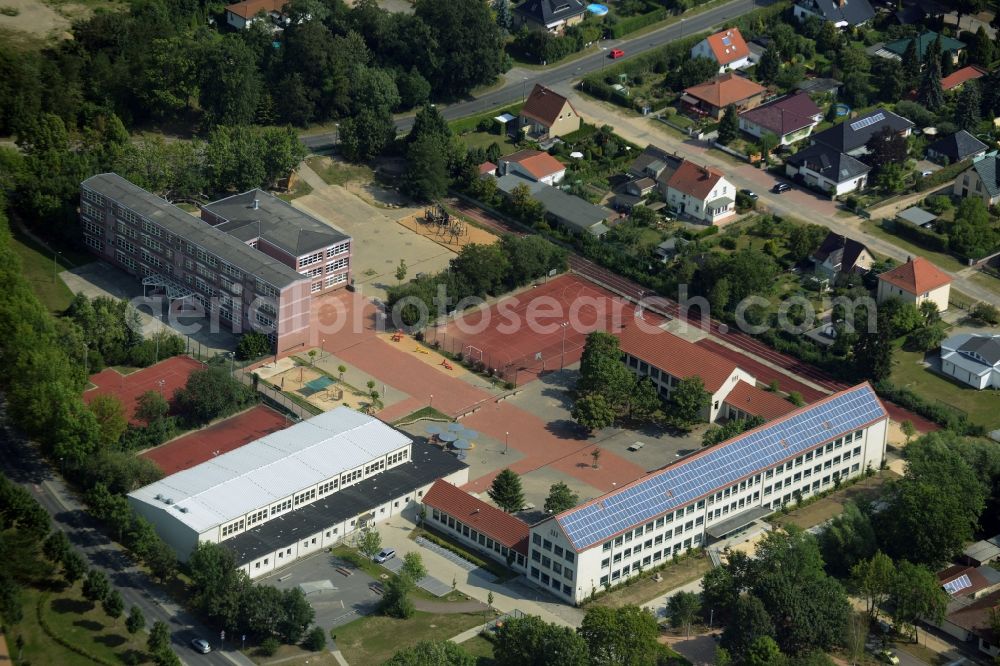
<point x="441" y="234"/>
<point x="408" y="345"/>
<point x="293" y="379"/>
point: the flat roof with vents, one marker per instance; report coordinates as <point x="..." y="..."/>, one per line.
<point x="271" y="468"/>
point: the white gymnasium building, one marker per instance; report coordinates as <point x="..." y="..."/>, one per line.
<point x="707" y="496"/>
<point x="295" y="491"/>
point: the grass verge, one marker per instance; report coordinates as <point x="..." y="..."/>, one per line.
<point x="338" y="173"/>
<point x="822" y="510"/>
<point x="481" y="649"/>
<point x="422" y="413"/>
<point x="945" y="261"/>
<point x="640" y="590"/>
<point x="374" y="639"/>
<point x="74" y="620"/>
<point x="40" y="268"/>
<point x="980" y="406"/>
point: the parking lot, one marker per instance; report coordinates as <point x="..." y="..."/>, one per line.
<point x="350" y="597"/>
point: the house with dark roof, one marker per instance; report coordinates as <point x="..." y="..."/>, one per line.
<point x="973" y="598"/>
<point x="981" y="180"/>
<point x="827" y="169"/>
<point x="956" y="147"/>
<point x="972" y="359"/>
<point x="547" y="114"/>
<point x="700" y="193"/>
<point x="576" y="214"/>
<point x="549" y="15"/>
<point x="955" y="80"/>
<point x="897" y="49"/>
<point x="726" y="48"/>
<point x="851" y="135"/>
<point x="712" y="97"/>
<point x="840" y="255"/>
<point x="790" y="118"/>
<point x="916" y="281"/>
<point x="477" y="525"/>
<point x="842" y="13"/>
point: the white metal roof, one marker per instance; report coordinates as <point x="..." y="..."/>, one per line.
<point x="271" y="468"/>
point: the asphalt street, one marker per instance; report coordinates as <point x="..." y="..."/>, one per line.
<point x="22" y="463"/>
<point x="516" y="87"/>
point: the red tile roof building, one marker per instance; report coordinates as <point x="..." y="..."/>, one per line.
<point x="960" y="76"/>
<point x="700" y="192"/>
<point x="753" y="401"/>
<point x="914" y="282"/>
<point x="712" y="97"/>
<point x="474" y="522"/>
<point x="547" y="114"/>
<point x="727" y="47"/>
<point x="534" y="164"/>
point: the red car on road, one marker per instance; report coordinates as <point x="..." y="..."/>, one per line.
<point x="616" y="53"/>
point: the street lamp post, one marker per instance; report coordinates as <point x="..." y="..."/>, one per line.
<point x="55" y="265"/>
<point x="506" y="442"/>
<point x="431" y="403"/>
<point x="562" y="356"/>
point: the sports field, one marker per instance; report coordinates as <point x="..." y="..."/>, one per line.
<point x="166" y="377"/>
<point x="539" y="329"/>
<point x="201" y="445"/>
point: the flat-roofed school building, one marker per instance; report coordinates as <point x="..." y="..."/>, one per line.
<point x="295" y="491"/>
<point x="252" y="261"/>
<point x="707" y="496"/>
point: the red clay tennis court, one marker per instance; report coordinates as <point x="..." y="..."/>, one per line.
<point x="165" y="377"/>
<point x="523" y="335"/>
<point x="201" y="445"/>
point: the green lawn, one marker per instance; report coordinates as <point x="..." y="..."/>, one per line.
<point x="987" y="281"/>
<point x="423" y="413"/>
<point x="484" y="139"/>
<point x="338" y="173"/>
<point x="301" y="189"/>
<point x="481" y="649"/>
<point x="374" y="639"/>
<point x="645" y="587"/>
<point x="981" y="406"/>
<point x="72" y="618"/>
<point x="40" y="270"/>
<point x="945" y="261"/>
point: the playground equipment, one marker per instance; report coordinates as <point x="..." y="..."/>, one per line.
<point x="446" y="224"/>
<point x="437" y="215"/>
<point x="396" y="337"/>
<point x="420" y="350"/>
<point x="446" y="364"/>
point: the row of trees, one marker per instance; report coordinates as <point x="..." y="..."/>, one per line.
<point x="478" y="271"/>
<point x="606" y="637"/>
<point x="606" y="391"/>
<point x="506" y="490"/>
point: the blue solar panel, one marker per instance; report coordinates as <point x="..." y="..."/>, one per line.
<point x="678" y="485"/>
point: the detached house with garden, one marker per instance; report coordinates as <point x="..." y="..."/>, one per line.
<point x="549" y="15"/>
<point x="547" y="115"/>
<point x="981" y="180"/>
<point x="712" y="97"/>
<point x="700" y="193"/>
<point x="726" y="48"/>
<point x="791" y="118"/>
<point x="842" y="13"/>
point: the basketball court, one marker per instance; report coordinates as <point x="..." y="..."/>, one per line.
<point x="538" y="329"/>
<point x="201" y="445"/>
<point x="165" y="377"/>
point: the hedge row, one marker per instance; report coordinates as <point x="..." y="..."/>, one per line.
<point x="633" y="23"/>
<point x="923" y="237"/>
<point x="941" y="176"/>
<point x="938" y="413"/>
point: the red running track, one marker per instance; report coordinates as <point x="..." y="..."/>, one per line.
<point x="193" y="449"/>
<point x="172" y="372"/>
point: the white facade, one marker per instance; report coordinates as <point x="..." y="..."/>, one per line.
<point x="268" y="478"/>
<point x="819" y="180"/>
<point x="702" y="209"/>
<point x="704" y="50"/>
<point x="572" y="574"/>
<point x="969" y="365"/>
<point x="665" y="383"/>
<point x="937" y="296"/>
<point x="330" y="535"/>
<point x="787" y="139"/>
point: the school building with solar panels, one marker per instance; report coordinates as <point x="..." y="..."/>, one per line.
<point x="707" y="496"/>
<point x="295" y="491"/>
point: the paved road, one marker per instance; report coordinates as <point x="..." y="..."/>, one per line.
<point x="520" y="80"/>
<point x="21" y="462"/>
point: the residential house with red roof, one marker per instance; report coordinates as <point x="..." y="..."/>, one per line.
<point x="547" y="114"/>
<point x="699" y="192"/>
<point x="974" y="596"/>
<point x="727" y="48"/>
<point x="534" y="165"/>
<point x="479" y="526"/>
<point x="708" y="496"/>
<point x="712" y="97"/>
<point x="791" y="118"/>
<point x="955" y="80"/>
<point x="242" y="14"/>
<point x="916" y="281"/>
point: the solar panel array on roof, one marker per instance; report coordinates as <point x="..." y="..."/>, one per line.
<point x="957" y="585"/>
<point x="865" y="122"/>
<point x="688" y="480"/>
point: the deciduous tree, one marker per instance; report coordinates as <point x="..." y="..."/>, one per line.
<point x="688" y="401"/>
<point x="560" y="498"/>
<point x="433" y="653"/>
<point x="683" y="608"/>
<point x="625" y="635"/>
<point x="530" y="641"/>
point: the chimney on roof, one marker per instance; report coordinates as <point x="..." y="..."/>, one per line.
<point x="256" y="203"/>
<point x="475" y="511"/>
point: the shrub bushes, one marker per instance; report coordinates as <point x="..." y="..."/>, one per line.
<point x="633" y="23"/>
<point x="923" y="237"/>
<point x="938" y="413"/>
